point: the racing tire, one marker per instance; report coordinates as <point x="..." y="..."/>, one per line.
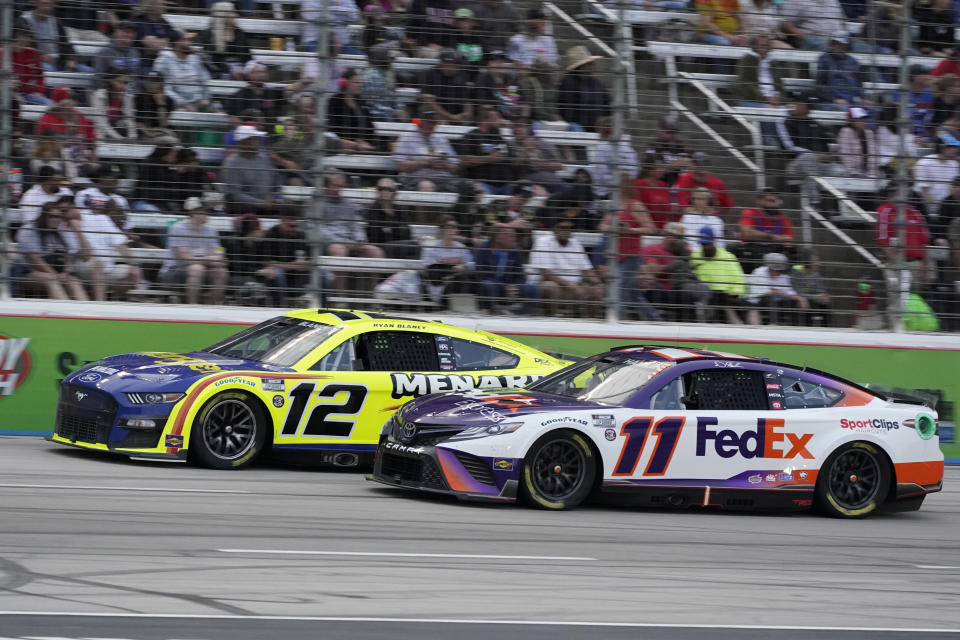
<point x="229" y="431"/>
<point x="853" y="482"/>
<point x="559" y="471"/>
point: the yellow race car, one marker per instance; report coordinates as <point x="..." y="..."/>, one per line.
<point x="323" y="381"/>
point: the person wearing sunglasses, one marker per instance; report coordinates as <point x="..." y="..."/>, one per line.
<point x="388" y="224"/>
<point x="45" y="250"/>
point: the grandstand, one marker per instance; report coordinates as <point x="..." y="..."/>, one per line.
<point x="724" y="161"/>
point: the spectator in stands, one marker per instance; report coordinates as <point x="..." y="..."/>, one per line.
<point x="154" y="33"/>
<point x="286" y="260"/>
<point x="186" y="78"/>
<point x="759" y="79"/>
<point x="604" y="154"/>
<point x="340" y="14"/>
<point x="535" y="160"/>
<point x="721" y="272"/>
<point x="120" y="56"/>
<point x="500" y="269"/>
<point x="430" y="26"/>
<point x="498" y="22"/>
<point x="764" y="229"/>
<point x="700" y="176"/>
<point x="888" y="140"/>
<point x="536" y="91"/>
<point x="104" y="190"/>
<point x="653" y="192"/>
<point x="27" y="66"/>
<point x="573" y="204"/>
<point x="512" y="209"/>
<point x="152" y="108"/>
<point x="655" y="280"/>
<point x="762" y="17"/>
<point x="242" y="248"/>
<point x="917" y="260"/>
<point x="804" y="139"/>
<point x="937" y="23"/>
<point x="105" y="264"/>
<point x="560" y="266"/>
<point x="671" y="149"/>
<point x="376" y="31"/>
<point x="883" y="27"/>
<point x="226" y="46"/>
<point x="347" y="113"/>
<point x="157" y="182"/>
<point x="581" y="97"/>
<point x="50" y="187"/>
<point x="484" y="155"/>
<point x="294" y="152"/>
<point x="249" y="176"/>
<point x="47" y="152"/>
<point x="948" y="212"/>
<point x="310" y="81"/>
<point x="445" y="89"/>
<point x="447" y="262"/>
<point x="699" y="214"/>
<point x="196" y="256"/>
<point x="425" y="155"/>
<point x="950" y="64"/>
<point x="534" y="42"/>
<point x="919" y="99"/>
<point x="343" y="232"/>
<point x="71" y="128"/>
<point x="771" y="293"/>
<point x="192" y="179"/>
<point x="113" y="115"/>
<point x="719" y="23"/>
<point x="378" y="92"/>
<point x="388" y="224"/>
<point x="81" y="21"/>
<point x="839" y="80"/>
<point x="633" y="223"/>
<point x="497" y="85"/>
<point x="808" y="282"/>
<point x="50" y="38"/>
<point x="933" y="175"/>
<point x="467" y="41"/>
<point x="857" y="146"/>
<point x="946" y="100"/>
<point x="47" y="255"/>
<point x="256" y="95"/>
<point x="811" y="24"/>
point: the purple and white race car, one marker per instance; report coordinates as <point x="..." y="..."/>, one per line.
<point x="664" y="426"/>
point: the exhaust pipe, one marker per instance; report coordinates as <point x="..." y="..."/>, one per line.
<point x="345" y="460"/>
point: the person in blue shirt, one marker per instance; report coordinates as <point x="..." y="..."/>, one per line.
<point x="839" y="77"/>
<point x="500" y="268"/>
<point x="919" y="99"/>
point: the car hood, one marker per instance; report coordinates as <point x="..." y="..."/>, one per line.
<point x="159" y="371"/>
<point x="483" y="407"/>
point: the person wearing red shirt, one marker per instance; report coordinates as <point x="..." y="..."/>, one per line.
<point x="64" y="122"/>
<point x="27" y="68"/>
<point x="654" y="280"/>
<point x="916" y="238"/>
<point x="764" y="229"/>
<point x="949" y="64"/>
<point x="653" y="192"/>
<point x="634" y="224"/>
<point x="700" y="177"/>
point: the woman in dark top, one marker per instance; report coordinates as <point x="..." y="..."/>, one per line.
<point x="388" y="225"/>
<point x="581" y="97"/>
<point x="346" y="113"/>
<point x="191" y="178"/>
<point x="157" y="182"/>
<point x="152" y="108"/>
<point x="936" y="21"/>
<point x="226" y="47"/>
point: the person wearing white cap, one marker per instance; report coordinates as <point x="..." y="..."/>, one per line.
<point x="769" y="289"/>
<point x="249" y="175"/>
<point x="857" y="146"/>
<point x="196" y="256"/>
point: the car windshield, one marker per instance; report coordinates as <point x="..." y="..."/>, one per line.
<point x="609" y="379"/>
<point x="281" y="341"/>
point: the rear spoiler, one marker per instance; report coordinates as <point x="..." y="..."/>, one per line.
<point x="901" y="396"/>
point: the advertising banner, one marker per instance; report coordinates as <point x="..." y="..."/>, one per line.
<point x="37" y="352"/>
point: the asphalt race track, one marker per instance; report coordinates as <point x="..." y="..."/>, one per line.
<point x="153" y="551"/>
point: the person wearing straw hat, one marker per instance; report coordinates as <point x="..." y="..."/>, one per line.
<point x="581" y="97"/>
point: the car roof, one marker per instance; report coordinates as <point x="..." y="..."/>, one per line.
<point x="677" y="354"/>
<point x="351" y="317"/>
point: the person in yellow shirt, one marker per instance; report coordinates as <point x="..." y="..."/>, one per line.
<point x="720" y="270"/>
<point x="720" y="24"/>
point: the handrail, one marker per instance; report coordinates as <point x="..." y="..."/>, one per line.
<point x="843" y="237"/>
<point x="723" y="142"/>
<point x="844" y="199"/>
<point x="711" y="95"/>
<point x="560" y="13"/>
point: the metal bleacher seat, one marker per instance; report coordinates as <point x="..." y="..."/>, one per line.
<point x="74" y="79"/>
<point x="364" y="197"/>
<point x="196" y="23"/>
<point x="193" y="119"/>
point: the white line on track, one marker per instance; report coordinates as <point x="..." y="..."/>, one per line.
<point x="288" y="552"/>
<point x="529" y="623"/>
<point x="934" y="566"/>
<point x="100" y="488"/>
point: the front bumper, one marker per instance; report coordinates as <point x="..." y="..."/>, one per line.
<point x="438" y="469"/>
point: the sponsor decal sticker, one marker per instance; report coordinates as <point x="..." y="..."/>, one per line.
<point x="755" y="479"/>
<point x="172" y="441"/>
<point x="278" y="401"/>
<point x="107" y="370"/>
<point x="79" y="395"/>
<point x="803" y="475"/>
<point x="604" y="420"/>
<point x="235" y="380"/>
<point x="402" y="448"/>
<point x="610" y="434"/>
<point x="273" y="384"/>
<point x="768" y="440"/>
<point x="785" y="477"/>
<point x="771" y="477"/>
<point x="421" y="384"/>
<point x="503" y="465"/>
<point x="564" y="419"/>
<point x="773" y="387"/>
<point x="89" y="377"/>
<point x="803" y="502"/>
<point x="776" y="405"/>
<point x="870" y="424"/>
<point x="726" y="364"/>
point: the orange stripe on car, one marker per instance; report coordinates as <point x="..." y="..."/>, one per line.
<point x="921" y="473"/>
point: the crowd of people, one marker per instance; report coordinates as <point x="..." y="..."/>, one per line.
<point x="533" y="228"/>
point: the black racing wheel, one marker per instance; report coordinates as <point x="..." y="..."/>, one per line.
<point x="853" y="481"/>
<point x="558" y="471"/>
<point x="229" y="432"/>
